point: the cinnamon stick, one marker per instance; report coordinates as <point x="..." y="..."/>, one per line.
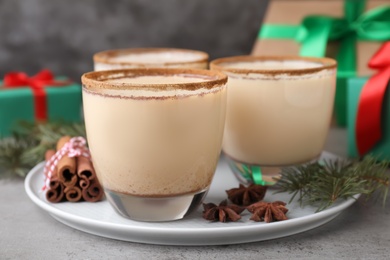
<point x="94" y="192"/>
<point x="85" y="171"/>
<point x="74" y="178"/>
<point x="55" y="192"/>
<point x="66" y="166"/>
<point x="73" y="193"/>
<point x="88" y="181"/>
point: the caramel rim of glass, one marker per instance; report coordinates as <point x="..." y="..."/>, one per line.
<point x="327" y="63"/>
<point x="98" y="79"/>
<point x="104" y="56"/>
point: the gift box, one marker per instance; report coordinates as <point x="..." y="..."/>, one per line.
<point x="382" y="148"/>
<point x="38" y="98"/>
<point x="369" y="109"/>
<point x="349" y="31"/>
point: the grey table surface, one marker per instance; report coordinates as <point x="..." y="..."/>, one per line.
<point x="27" y="232"/>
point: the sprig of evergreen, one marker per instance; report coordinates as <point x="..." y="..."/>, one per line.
<point x="29" y="142"/>
<point x="323" y="183"/>
<point x="13" y="160"/>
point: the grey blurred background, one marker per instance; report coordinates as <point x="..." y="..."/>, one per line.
<point x="62" y="35"/>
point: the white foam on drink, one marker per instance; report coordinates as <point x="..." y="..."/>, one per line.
<point x="149" y="91"/>
<point x="273" y="65"/>
<point x="147" y="80"/>
<point x="157" y="57"/>
<point x="284" y="66"/>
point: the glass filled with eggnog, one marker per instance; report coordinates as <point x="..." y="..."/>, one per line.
<point x="279" y="111"/>
<point x="155" y="137"/>
<point x="150" y="58"/>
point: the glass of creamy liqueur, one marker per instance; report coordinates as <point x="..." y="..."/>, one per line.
<point x="150" y="58"/>
<point x="155" y="137"/>
<point x="279" y="111"/>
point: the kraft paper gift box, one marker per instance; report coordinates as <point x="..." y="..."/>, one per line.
<point x="369" y="110"/>
<point x="38" y="98"/>
<point x="349" y="31"/>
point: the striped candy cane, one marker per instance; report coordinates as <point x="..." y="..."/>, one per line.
<point x="74" y="148"/>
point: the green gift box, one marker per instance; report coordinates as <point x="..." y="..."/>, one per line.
<point x="382" y="148"/>
<point x="347" y="30"/>
<point x="62" y="101"/>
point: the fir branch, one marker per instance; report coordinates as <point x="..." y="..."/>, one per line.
<point x="295" y="180"/>
<point x="322" y="184"/>
<point x="29" y="142"/>
<point x="12" y="156"/>
<point x="376" y="177"/>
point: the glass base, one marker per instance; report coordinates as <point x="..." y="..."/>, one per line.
<point x="248" y="174"/>
<point x="260" y="175"/>
<point x="155" y="208"/>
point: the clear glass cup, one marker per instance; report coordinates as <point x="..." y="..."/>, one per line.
<point x="150" y="58"/>
<point x="279" y="111"/>
<point x="155" y="137"/>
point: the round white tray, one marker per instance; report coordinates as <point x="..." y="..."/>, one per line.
<point x="101" y="220"/>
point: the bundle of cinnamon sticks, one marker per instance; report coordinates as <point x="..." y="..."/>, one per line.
<point x="73" y="179"/>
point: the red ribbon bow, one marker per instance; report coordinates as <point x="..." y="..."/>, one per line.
<point x="37" y="84"/>
<point x="368" y="121"/>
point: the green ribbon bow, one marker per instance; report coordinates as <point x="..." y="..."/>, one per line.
<point x="315" y="31"/>
<point x="251" y="173"/>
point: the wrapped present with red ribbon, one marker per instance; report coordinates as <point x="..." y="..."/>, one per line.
<point x="347" y="30"/>
<point x="369" y="109"/>
<point x="39" y="98"/>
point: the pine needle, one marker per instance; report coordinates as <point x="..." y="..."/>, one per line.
<point x="322" y="184"/>
<point x="29" y="142"/>
<point x="12" y="158"/>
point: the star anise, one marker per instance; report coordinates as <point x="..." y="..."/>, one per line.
<point x="268" y="211"/>
<point x="223" y="212"/>
<point x="246" y="195"/>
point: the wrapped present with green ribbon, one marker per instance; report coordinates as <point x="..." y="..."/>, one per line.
<point x="38" y="98"/>
<point x="369" y="109"/>
<point x="349" y="31"/>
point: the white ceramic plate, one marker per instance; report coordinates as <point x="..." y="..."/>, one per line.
<point x="101" y="220"/>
